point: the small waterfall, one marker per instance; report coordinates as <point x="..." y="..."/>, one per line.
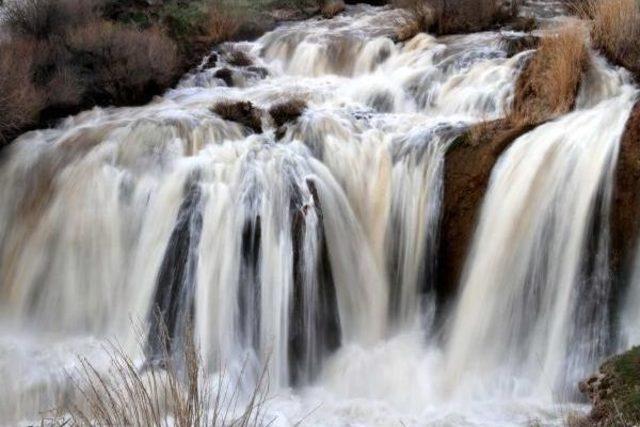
<point x="312" y="247"/>
<point x="532" y="316"/>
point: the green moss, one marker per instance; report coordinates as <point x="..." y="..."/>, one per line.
<point x="621" y="391"/>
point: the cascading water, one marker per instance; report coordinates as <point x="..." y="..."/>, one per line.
<point x="533" y="310"/>
<point x="311" y="247"/>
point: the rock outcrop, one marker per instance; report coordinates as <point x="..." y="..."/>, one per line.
<point x="625" y="213"/>
<point x="614" y="392"/>
<point x="468" y="166"/>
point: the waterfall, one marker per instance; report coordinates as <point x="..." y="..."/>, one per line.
<point x="311" y="247"/>
<point x="536" y="285"/>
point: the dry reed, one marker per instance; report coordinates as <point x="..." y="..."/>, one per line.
<point x="549" y="83"/>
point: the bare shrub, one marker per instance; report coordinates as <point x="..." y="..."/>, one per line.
<point x="20" y="100"/>
<point x="459" y="16"/>
<point x="124" y="64"/>
<point x="44" y="18"/>
<point x="243" y="112"/>
<point x="549" y="84"/>
<point x="222" y="23"/>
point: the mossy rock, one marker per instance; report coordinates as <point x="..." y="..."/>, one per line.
<point x="615" y="391"/>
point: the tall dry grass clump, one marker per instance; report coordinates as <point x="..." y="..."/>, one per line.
<point x="548" y="85"/>
<point x="178" y="392"/>
<point x="616" y="29"/>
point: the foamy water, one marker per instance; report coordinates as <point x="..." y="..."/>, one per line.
<point x="312" y="248"/>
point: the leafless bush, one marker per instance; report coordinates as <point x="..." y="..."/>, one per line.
<point x="125" y="63"/>
<point x="549" y="84"/>
<point x="20" y="101"/>
<point x="45" y="18"/>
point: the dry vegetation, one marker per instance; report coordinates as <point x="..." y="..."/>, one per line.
<point x="615" y="29"/>
<point x="459" y="16"/>
<point x="287" y="111"/>
<point x="63" y="56"/>
<point x="549" y="83"/>
<point x="20" y="101"/>
<point x="242" y="112"/>
<point x="180" y="393"/>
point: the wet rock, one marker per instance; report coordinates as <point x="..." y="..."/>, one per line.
<point x="226" y="75"/>
<point x="238" y="58"/>
<point x="173" y="300"/>
<point x="243" y="112"/>
<point x="305" y="355"/>
<point x="519" y="43"/>
<point x="260" y="72"/>
<point x="625" y="211"/>
<point x="521" y="23"/>
<point x="468" y="166"/>
<point x="211" y="61"/>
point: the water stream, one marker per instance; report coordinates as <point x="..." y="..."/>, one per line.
<point x="312" y="247"/>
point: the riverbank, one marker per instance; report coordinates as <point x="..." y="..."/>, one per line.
<point x="59" y="58"/>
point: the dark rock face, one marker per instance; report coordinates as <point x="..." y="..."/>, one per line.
<point x="305" y="355"/>
<point x="226" y="75"/>
<point x="625" y="212"/>
<point x="173" y="301"/>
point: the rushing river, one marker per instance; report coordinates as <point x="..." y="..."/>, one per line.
<point x="312" y="247"/>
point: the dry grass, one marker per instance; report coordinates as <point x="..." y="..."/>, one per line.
<point x="616" y="28"/>
<point x="549" y="84"/>
<point x="180" y="393"/>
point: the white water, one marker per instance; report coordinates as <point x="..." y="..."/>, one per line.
<point x="316" y="251"/>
